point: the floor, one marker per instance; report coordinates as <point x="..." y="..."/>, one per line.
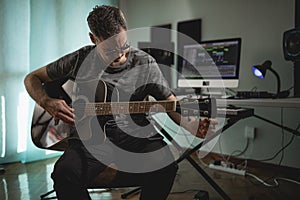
<point x="28" y="181"/>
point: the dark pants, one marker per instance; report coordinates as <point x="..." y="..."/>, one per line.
<point x="77" y="168"/>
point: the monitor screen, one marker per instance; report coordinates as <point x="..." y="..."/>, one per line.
<point x="211" y="64"/>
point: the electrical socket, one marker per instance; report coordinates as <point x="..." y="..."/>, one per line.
<point x="250" y="132"/>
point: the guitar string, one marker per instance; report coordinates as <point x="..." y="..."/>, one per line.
<point x="112" y="111"/>
<point x="105" y="108"/>
<point x="108" y="107"/>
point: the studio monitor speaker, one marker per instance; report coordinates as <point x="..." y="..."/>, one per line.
<point x="291" y="44"/>
<point x="189" y="32"/>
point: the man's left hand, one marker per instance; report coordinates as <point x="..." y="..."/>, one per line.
<point x="202" y="127"/>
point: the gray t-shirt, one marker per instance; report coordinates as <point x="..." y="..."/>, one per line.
<point x="139" y="77"/>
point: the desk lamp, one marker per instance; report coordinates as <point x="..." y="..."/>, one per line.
<point x="260" y="72"/>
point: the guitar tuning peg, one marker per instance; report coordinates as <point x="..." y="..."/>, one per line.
<point x="185" y="112"/>
<point x="206" y="101"/>
<point x="185" y="100"/>
<point x="196" y="112"/>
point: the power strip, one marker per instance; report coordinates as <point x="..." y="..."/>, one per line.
<point x="227" y="169"/>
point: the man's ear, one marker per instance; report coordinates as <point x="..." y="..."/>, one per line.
<point x="93" y="39"/>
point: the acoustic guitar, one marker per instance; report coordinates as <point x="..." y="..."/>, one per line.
<point x="95" y="102"/>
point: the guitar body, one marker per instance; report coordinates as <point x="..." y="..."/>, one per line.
<point x="44" y="133"/>
<point x="48" y="135"/>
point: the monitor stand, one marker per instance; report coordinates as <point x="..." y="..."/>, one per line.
<point x="213" y="92"/>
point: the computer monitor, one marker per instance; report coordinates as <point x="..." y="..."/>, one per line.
<point x="211" y="64"/>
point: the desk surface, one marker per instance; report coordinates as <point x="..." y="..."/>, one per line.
<point x="283" y="103"/>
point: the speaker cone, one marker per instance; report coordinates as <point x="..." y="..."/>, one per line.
<point x="291" y="44"/>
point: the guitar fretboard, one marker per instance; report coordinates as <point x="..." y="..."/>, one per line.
<point x="134" y="107"/>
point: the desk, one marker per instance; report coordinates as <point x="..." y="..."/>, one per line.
<point x="186" y="153"/>
<point x="283" y="103"/>
<point x="279" y="103"/>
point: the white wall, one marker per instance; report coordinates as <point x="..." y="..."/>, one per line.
<point x="260" y="24"/>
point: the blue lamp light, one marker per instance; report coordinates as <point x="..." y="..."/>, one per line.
<point x="257" y="72"/>
<point x="260" y="72"/>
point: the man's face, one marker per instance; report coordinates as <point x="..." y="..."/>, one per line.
<point x="114" y="50"/>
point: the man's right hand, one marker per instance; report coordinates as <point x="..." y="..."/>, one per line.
<point x="59" y="109"/>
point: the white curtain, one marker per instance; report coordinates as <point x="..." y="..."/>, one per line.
<point x="33" y="33"/>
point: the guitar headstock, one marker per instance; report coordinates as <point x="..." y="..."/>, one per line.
<point x="205" y="107"/>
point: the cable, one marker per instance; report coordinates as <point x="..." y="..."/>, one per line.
<point x="271" y="158"/>
<point x="254" y="89"/>
<point x="282" y="137"/>
<point x="276" y="183"/>
<point x="245" y="165"/>
<point x="241" y="152"/>
<point x="202" y="162"/>
<point x="276" y="154"/>
<point x="184" y="191"/>
<point x="232" y="91"/>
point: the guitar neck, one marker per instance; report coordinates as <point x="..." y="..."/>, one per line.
<point x="134" y="107"/>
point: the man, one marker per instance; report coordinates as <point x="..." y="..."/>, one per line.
<point x="136" y="75"/>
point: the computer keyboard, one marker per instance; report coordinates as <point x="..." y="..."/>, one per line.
<point x="254" y="94"/>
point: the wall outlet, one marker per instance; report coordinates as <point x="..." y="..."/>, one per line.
<point x="250" y="132"/>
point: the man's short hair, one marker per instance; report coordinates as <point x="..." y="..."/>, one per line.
<point x="106" y="21"/>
